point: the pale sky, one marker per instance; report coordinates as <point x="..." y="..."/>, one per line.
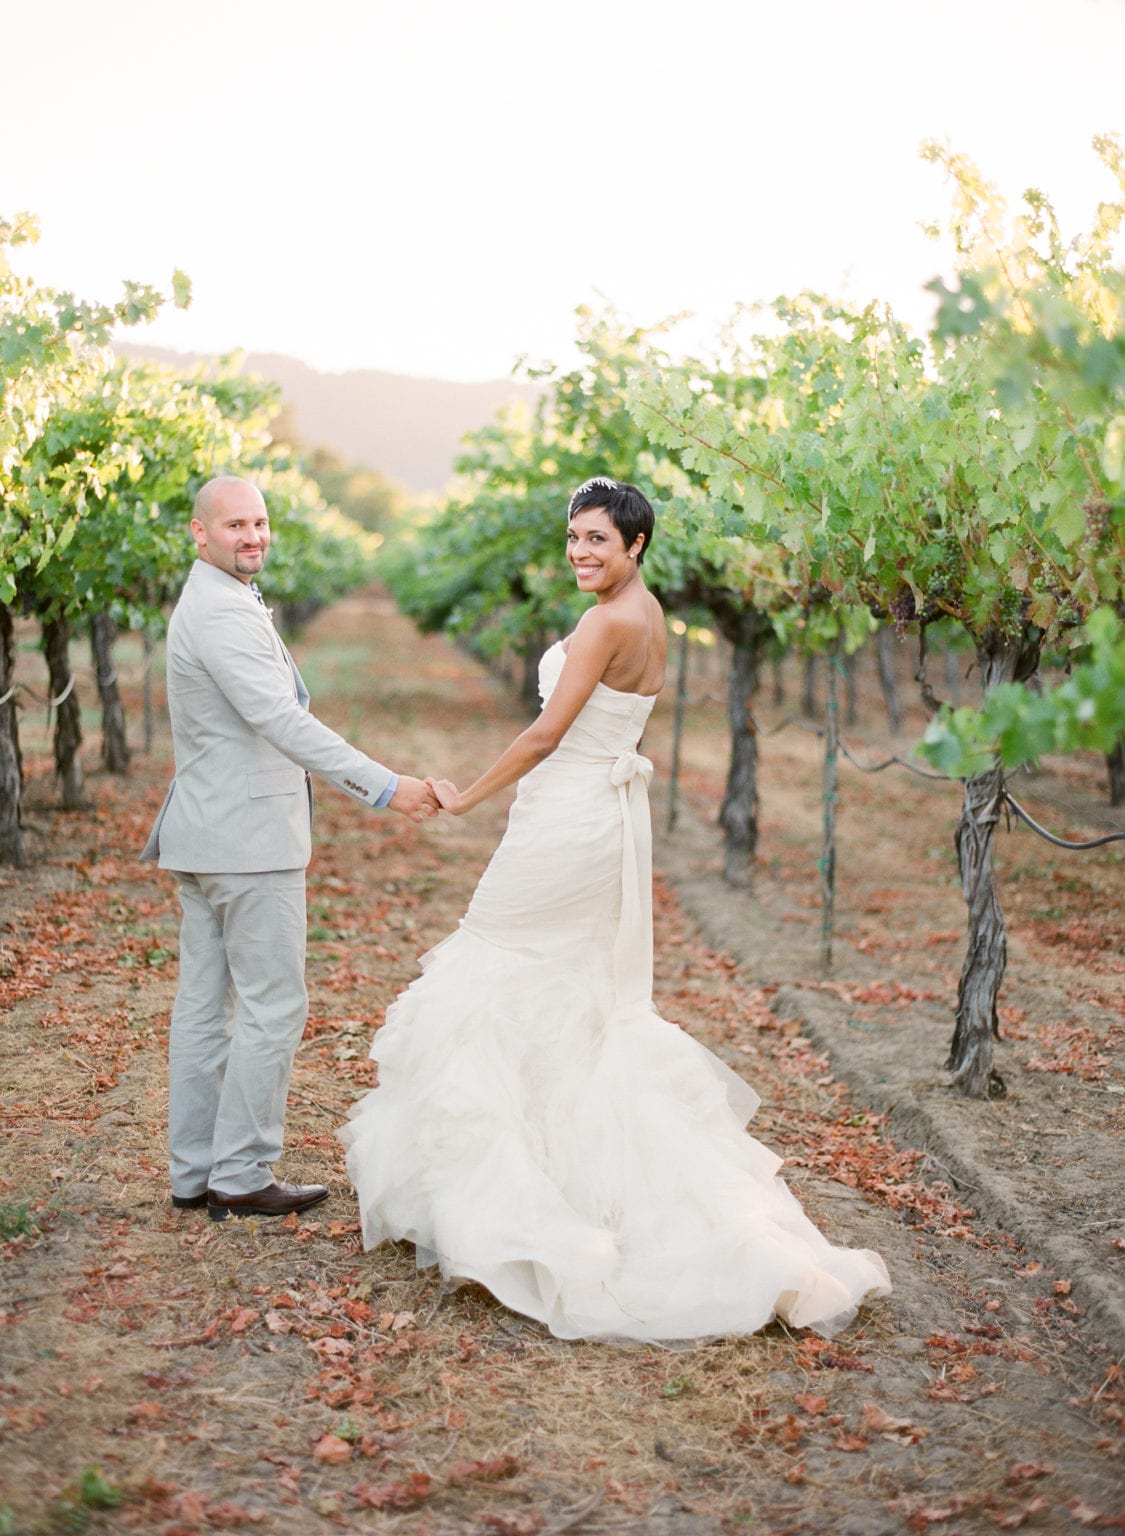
<point x="432" y="186"/>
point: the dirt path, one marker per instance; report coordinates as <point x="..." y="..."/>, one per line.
<point x="168" y="1375"/>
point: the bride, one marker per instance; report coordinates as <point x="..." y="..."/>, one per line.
<point x="538" y="1127"/>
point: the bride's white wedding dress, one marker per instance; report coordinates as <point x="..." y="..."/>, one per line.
<point x="539" y="1128"/>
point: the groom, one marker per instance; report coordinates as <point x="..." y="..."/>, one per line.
<point x="235" y="829"/>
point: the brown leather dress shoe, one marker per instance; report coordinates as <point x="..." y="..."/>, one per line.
<point x="276" y="1199"/>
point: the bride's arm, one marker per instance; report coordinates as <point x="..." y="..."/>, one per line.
<point x="593" y="646"/>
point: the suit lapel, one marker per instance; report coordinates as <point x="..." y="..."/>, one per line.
<point x="299" y="689"/>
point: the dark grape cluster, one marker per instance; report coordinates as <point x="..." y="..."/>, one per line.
<point x="902" y="609"/>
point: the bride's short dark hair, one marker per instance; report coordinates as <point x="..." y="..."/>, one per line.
<point x="628" y="509"/>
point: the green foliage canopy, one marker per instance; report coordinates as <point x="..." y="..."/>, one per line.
<point x="51" y="349"/>
<point x="100" y="459"/>
<point x="900" y="477"/>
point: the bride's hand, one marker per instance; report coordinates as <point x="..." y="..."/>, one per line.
<point x="448" y="795"/>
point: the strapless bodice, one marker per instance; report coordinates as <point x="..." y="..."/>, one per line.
<point x="609" y="724"/>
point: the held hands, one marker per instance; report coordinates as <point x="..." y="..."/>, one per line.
<point x="414" y="799"/>
<point x="448" y="796"/>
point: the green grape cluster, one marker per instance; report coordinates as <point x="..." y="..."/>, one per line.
<point x="1097" y="520"/>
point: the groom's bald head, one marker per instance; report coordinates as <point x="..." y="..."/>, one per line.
<point x="223" y="492"/>
<point x="231" y="526"/>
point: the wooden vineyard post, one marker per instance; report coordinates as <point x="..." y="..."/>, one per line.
<point x="827" y="861"/>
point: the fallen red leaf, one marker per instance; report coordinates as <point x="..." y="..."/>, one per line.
<point x="491" y="1471"/>
<point x="836" y="1362"/>
<point x="332" y="1449"/>
<point x="1024" y="1471"/>
<point x="189" y="1506"/>
<point x="849" y="1443"/>
<point x="403" y="1495"/>
<point x="1016" y="1517"/>
<point x="876" y="1421"/>
<point x="195" y="1338"/>
<point x="513" y="1525"/>
<point x="935" y="1514"/>
<point x="230" y="1516"/>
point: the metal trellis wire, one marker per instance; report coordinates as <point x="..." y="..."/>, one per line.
<point x="926" y="773"/>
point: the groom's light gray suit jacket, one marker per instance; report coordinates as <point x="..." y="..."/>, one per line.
<point x="244" y="740"/>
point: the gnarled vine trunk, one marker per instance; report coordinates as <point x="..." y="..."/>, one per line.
<point x="748" y="631"/>
<point x="808" y="687"/>
<point x="531" y="653"/>
<point x="683" y="653"/>
<point x="970" y="1054"/>
<point x="778" y="681"/>
<point x="68" y="718"/>
<point x="115" y="748"/>
<point x="11" y="838"/>
<point x="1001" y="659"/>
<point x="888" y="678"/>
<point x="1115" y="768"/>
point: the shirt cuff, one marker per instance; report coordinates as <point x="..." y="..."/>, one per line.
<point x="388" y="794"/>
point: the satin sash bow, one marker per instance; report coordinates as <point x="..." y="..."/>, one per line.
<point x="628" y="766"/>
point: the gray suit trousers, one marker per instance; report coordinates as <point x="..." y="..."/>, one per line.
<point x="236" y="1024"/>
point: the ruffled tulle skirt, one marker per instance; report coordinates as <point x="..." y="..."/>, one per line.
<point x="590" y="1167"/>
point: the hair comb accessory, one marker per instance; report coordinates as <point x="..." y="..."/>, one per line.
<point x="587" y="485"/>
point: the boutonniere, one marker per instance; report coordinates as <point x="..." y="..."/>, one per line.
<point x="257" y="591"/>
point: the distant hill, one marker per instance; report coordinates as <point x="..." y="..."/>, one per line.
<point x="409" y="429"/>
